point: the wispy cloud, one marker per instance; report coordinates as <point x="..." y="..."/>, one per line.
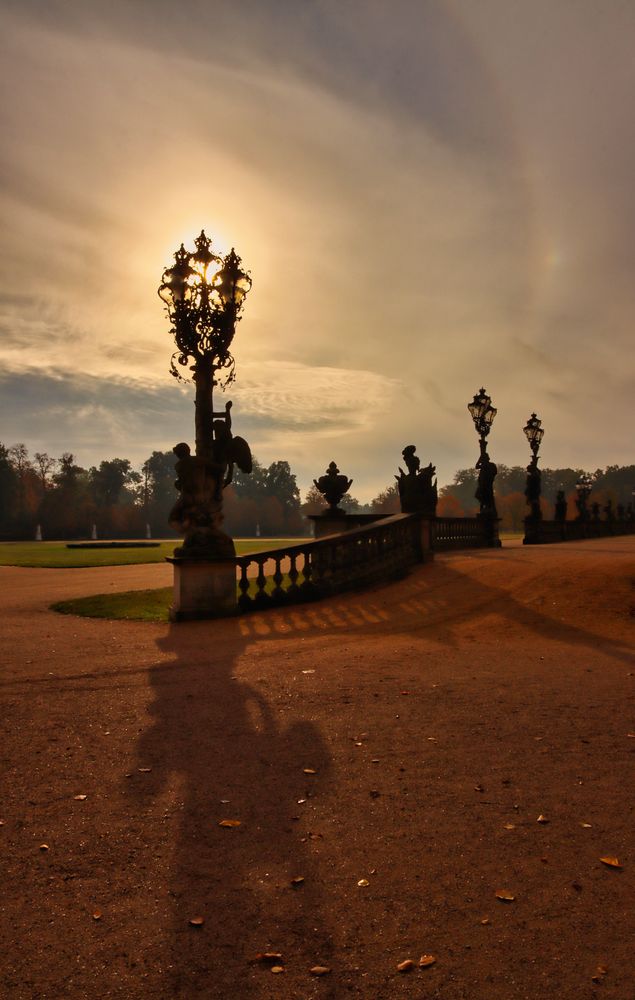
<point x="427" y="203"/>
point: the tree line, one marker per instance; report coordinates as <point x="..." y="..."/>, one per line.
<point x="67" y="500"/>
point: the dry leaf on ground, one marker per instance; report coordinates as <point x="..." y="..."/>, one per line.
<point x="505" y="895"/>
<point x="268" y="957"/>
<point x="80" y="798"/>
<point x="196" y="921"/>
<point x="406" y="966"/>
<point x="542" y="819"/>
<point x="610" y="861"/>
<point x="97" y="915"/>
<point x="426" y="960"/>
<point x="509" y="826"/>
<point x="297" y="880"/>
<point x="144" y="770"/>
<point x="44" y="847"/>
<point x="319" y="970"/>
<point x="277" y="968"/>
<point x="363" y="882"/>
<point x="230" y="822"/>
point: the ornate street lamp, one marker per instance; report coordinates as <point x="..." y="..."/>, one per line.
<point x="204" y="295"/>
<point x="483" y="413"/>
<point x="583" y="491"/>
<point x="534" y="434"/>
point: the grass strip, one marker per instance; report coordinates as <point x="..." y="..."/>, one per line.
<point x="55" y="555"/>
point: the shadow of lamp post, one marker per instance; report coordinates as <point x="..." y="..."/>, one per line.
<point x="483" y="413"/>
<point x="204" y="294"/>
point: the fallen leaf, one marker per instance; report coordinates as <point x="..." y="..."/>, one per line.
<point x="509" y="826"/>
<point x="309" y="770"/>
<point x="478" y="788"/>
<point x="224" y="802"/>
<point x="406" y="966"/>
<point x="375" y="760"/>
<point x="44" y="847"/>
<point x="97" y="915"/>
<point x="80" y="798"/>
<point x="373" y="871"/>
<point x="301" y="802"/>
<point x="277" y="968"/>
<point x="358" y="744"/>
<point x="542" y="819"/>
<point x="426" y="960"/>
<point x="144" y="770"/>
<point x="586" y="826"/>
<point x="268" y="957"/>
<point x="196" y="921"/>
<point x="308" y="671"/>
<point x="363" y="881"/>
<point x="229" y="822"/>
<point x="485" y="920"/>
<point x="432" y="739"/>
<point x="319" y="970"/>
<point x="505" y="895"/>
<point x="298" y="880"/>
<point x="602" y="970"/>
<point x="631" y="736"/>
<point x="611" y="862"/>
<point x="1" y="822"/>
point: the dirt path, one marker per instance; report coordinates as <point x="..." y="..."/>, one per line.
<point x="441" y="715"/>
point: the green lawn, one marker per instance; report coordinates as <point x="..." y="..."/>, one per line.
<point x="55" y="555"/>
<point x="136" y="605"/>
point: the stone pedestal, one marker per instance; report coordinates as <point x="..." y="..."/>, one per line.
<point x="203" y="589"/>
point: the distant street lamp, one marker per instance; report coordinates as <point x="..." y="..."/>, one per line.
<point x="583" y="491"/>
<point x="534" y="434"/>
<point x="483" y="413"/>
<point x="204" y="294"/>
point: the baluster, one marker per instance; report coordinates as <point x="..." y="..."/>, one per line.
<point x="307" y="587"/>
<point x="293" y="591"/>
<point x="278" y="595"/>
<point x="244" y="601"/>
<point x="261" y="599"/>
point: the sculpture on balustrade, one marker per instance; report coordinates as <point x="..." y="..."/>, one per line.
<point x="487" y="472"/>
<point x="560" y="507"/>
<point x="532" y="489"/>
<point x="417" y="487"/>
<point x="198" y="512"/>
<point x="333" y="485"/>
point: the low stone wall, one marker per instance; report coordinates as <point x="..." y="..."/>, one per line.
<point x="544" y="532"/>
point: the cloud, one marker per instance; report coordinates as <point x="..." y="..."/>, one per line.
<point x="428" y="203"/>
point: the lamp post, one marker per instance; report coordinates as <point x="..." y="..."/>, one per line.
<point x="204" y="295"/>
<point x="534" y="434"/>
<point x="583" y="491"/>
<point x="483" y="413"/>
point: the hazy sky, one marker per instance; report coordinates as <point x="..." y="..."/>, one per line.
<point x="431" y="195"/>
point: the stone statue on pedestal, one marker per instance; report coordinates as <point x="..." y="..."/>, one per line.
<point x="198" y="512"/>
<point x="417" y="487"/>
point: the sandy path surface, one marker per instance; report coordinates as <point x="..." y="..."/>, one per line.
<point x="441" y="715"/>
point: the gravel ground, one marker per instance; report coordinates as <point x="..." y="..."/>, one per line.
<point x="392" y="748"/>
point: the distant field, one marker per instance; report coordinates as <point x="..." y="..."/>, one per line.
<point x="55" y="555"/>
